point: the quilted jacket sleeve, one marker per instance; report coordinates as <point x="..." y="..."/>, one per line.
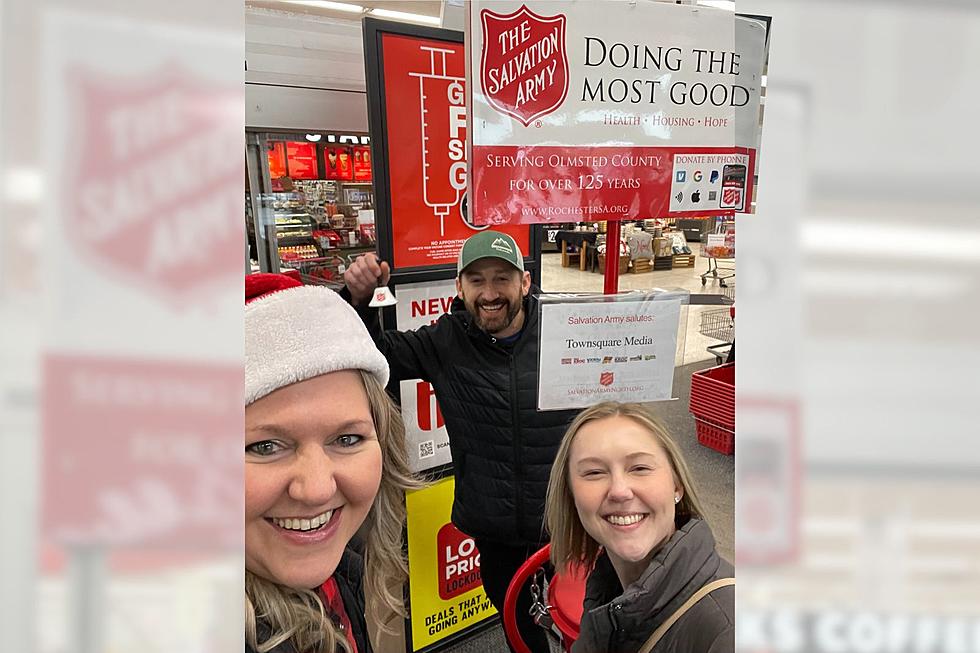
<point x="410" y="354"/>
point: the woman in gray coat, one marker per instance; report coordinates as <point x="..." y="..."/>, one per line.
<point x="621" y="502"/>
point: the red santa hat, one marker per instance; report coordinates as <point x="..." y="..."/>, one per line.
<point x="295" y="332"/>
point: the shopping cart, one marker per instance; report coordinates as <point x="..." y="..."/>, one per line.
<point x="557" y="603"/>
<point x="719" y="324"/>
<point x="729" y="292"/>
<point x="718" y="272"/>
<point x="720" y="246"/>
<point x="319" y="271"/>
<point x="713" y="406"/>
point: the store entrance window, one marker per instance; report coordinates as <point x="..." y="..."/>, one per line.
<point x="309" y="203"/>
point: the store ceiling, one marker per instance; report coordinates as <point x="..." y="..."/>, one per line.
<point x="421" y="7"/>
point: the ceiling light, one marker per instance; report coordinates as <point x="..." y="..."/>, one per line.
<point x="402" y="15"/>
<point x="323" y="4"/>
<point x="23" y="185"/>
<point x="720" y="4"/>
<point x="852" y="237"/>
<point x="313" y="138"/>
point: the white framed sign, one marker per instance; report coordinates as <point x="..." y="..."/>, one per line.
<point x="607" y="348"/>
<point x="611" y="110"/>
<point x="425" y="431"/>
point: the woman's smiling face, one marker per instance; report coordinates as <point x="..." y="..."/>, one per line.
<point x="312" y="471"/>
<point x="624" y="489"/>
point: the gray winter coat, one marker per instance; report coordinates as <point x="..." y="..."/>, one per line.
<point x="620" y="621"/>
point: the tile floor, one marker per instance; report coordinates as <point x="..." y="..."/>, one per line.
<point x="555" y="278"/>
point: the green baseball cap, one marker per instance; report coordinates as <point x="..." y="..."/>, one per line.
<point x="490" y="244"/>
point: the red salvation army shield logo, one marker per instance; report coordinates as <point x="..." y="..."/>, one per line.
<point x="524" y="69"/>
<point x="606" y="378"/>
<point x="154" y="169"/>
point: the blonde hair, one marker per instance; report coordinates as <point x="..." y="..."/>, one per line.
<point x="279" y="614"/>
<point x="570" y="543"/>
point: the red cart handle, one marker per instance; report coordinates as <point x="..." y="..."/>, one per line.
<point x="524" y="572"/>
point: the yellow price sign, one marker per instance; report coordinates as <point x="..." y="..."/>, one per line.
<point x="445" y="588"/>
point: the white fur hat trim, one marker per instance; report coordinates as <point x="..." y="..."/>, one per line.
<point x="299" y="333"/>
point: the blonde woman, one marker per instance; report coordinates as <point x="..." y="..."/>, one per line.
<point x="621" y="501"/>
<point x="324" y="459"/>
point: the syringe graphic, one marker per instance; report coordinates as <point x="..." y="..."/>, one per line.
<point x="443" y="135"/>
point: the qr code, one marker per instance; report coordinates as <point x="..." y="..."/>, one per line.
<point x="427" y="449"/>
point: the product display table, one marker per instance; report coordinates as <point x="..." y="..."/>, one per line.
<point x="583" y="240"/>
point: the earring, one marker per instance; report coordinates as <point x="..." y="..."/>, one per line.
<point x="677" y="498"/>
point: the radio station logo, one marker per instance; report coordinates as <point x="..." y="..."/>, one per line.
<point x="524" y="67"/>
<point x="566" y="361"/>
<point x="620" y="359"/>
<point x="606" y="360"/>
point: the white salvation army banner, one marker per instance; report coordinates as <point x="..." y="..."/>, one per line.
<point x="425" y="430"/>
<point x="606" y="351"/>
<point x="611" y="110"/>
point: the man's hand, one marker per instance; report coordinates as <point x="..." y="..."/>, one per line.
<point x="363" y="276"/>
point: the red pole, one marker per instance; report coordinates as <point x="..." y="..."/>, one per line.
<point x="611" y="286"/>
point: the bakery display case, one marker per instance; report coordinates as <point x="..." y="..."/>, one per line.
<point x="292" y="224"/>
<point x="316" y="213"/>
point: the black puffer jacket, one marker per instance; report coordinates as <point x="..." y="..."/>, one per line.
<point x="350" y="580"/>
<point x="620" y="621"/>
<point x="502" y="447"/>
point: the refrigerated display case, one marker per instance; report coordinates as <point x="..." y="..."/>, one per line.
<point x="305" y="214"/>
<point x="293" y="224"/>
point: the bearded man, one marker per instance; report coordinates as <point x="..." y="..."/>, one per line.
<point x="482" y="361"/>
